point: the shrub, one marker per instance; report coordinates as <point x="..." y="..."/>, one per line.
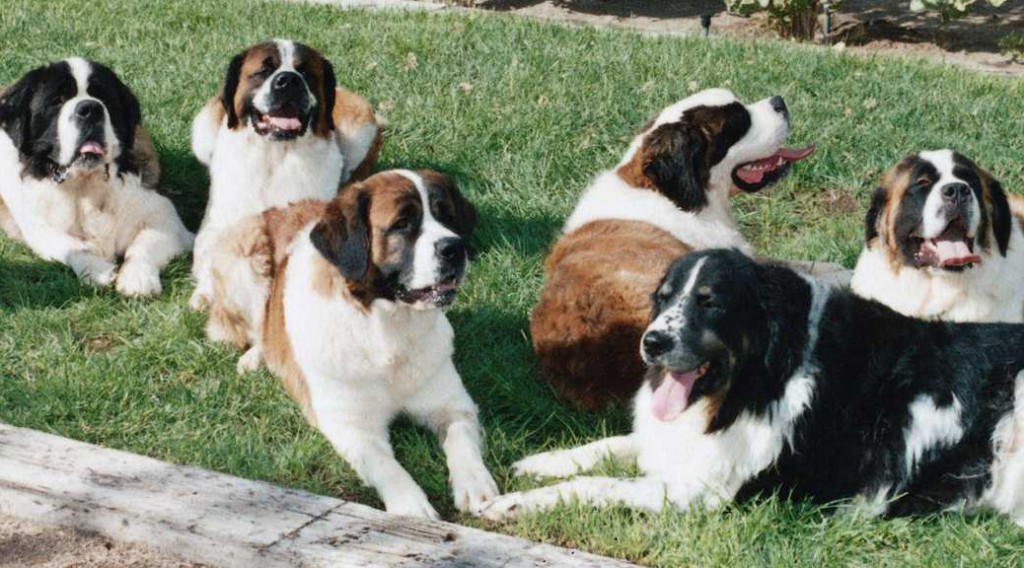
<point x="948" y="9"/>
<point x="790" y="18"/>
<point x="1012" y="45"/>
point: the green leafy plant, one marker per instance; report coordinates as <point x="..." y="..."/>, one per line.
<point x="948" y="9"/>
<point x="790" y="18"/>
<point x="1012" y="45"/>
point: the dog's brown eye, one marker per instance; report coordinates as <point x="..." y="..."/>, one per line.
<point x="401" y="225"/>
<point x="923" y="181"/>
<point x="707" y="301"/>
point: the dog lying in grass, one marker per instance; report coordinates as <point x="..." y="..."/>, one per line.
<point x="760" y="379"/>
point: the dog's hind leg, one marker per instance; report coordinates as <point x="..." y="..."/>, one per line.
<point x="573" y="461"/>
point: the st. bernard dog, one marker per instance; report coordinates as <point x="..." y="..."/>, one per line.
<point x="944" y="241"/>
<point x="279" y="131"/>
<point x="75" y="188"/>
<point x="344" y="301"/>
<point x="762" y="380"/>
<point x="669" y="195"/>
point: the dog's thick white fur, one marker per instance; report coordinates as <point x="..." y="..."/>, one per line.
<point x="95" y="215"/>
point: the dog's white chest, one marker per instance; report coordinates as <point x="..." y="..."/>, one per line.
<point x="250" y="174"/>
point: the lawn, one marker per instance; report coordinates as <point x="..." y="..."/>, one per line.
<point x="522" y="114"/>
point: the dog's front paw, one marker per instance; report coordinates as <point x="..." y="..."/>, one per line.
<point x="472" y="488"/>
<point x="503" y="508"/>
<point x="250" y="361"/>
<point x="557" y="463"/>
<point x="139" y="280"/>
<point x="97" y="271"/>
<point x="199" y="300"/>
<point x="413" y="504"/>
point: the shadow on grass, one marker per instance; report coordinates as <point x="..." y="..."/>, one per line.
<point x="185" y="182"/>
<point x="38" y="284"/>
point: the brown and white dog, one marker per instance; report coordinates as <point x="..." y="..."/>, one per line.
<point x="279" y="131"/>
<point x="944" y="241"/>
<point x="344" y="300"/>
<point x="78" y="176"/>
<point x="668" y="196"/>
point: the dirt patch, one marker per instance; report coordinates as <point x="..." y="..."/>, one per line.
<point x="24" y="545"/>
<point x="862" y="26"/>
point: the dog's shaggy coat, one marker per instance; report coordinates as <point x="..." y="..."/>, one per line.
<point x="763" y="380"/>
<point x="77" y="177"/>
<point x="944" y="241"/>
<point x="343" y="299"/>
<point x="280" y="131"/>
<point x="667" y="196"/>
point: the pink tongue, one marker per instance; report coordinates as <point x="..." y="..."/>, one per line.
<point x="285" y="123"/>
<point x="750" y="176"/>
<point x="955" y="253"/>
<point x="91" y="148"/>
<point x="672" y="396"/>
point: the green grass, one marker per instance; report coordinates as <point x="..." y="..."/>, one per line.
<point x="549" y="107"/>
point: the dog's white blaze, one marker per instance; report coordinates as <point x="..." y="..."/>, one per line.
<point x="933" y="220"/>
<point x="672" y="320"/>
<point x="68" y="131"/>
<point x="425" y="260"/>
<point x="286" y="51"/>
<point x="931" y="427"/>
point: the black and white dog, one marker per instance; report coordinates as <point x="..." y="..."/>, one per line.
<point x="73" y="185"/>
<point x="761" y="379"/>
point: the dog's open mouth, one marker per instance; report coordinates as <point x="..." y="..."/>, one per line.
<point x="90" y="152"/>
<point x="440" y="295"/>
<point x="758" y="174"/>
<point x="953" y="249"/>
<point x="285" y="122"/>
<point x="672" y="396"/>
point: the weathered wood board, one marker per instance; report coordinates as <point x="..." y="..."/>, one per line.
<point x="226" y="521"/>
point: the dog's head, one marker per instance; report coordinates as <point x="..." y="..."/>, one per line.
<point x="280" y="89"/>
<point x="69" y="119"/>
<point x="937" y="211"/>
<point x="710" y="143"/>
<point x="399" y="236"/>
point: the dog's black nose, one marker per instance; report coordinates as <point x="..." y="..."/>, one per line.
<point x="657" y="343"/>
<point x="956" y="192"/>
<point x="451" y="248"/>
<point x="286" y="81"/>
<point x="89" y="109"/>
<point x="779" y="105"/>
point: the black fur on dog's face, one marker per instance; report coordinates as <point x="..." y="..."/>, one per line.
<point x="69" y="118"/>
<point x="707" y="325"/>
<point x="938" y="211"/>
<point x="281" y="89"/>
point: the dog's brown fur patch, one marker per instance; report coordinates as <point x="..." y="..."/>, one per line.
<point x="351" y="113"/>
<point x="595" y="306"/>
<point x="277" y="348"/>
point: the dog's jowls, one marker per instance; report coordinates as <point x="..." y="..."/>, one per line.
<point x="73" y="186"/>
<point x="280" y="131"/>
<point x="761" y="380"/>
<point x="668" y="195"/>
<point x="344" y="301"/>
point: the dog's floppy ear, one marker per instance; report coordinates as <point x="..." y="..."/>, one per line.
<point x="343" y="235"/>
<point x="448" y="205"/>
<point x="330" y="87"/>
<point x="999" y="211"/>
<point x="878" y="201"/>
<point x="15" y="107"/>
<point x="673" y="160"/>
<point x="227" y="94"/>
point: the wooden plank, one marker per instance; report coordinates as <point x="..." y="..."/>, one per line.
<point x="222" y="520"/>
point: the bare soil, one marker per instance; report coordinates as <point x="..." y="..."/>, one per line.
<point x="25" y="545"/>
<point x="860" y="26"/>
